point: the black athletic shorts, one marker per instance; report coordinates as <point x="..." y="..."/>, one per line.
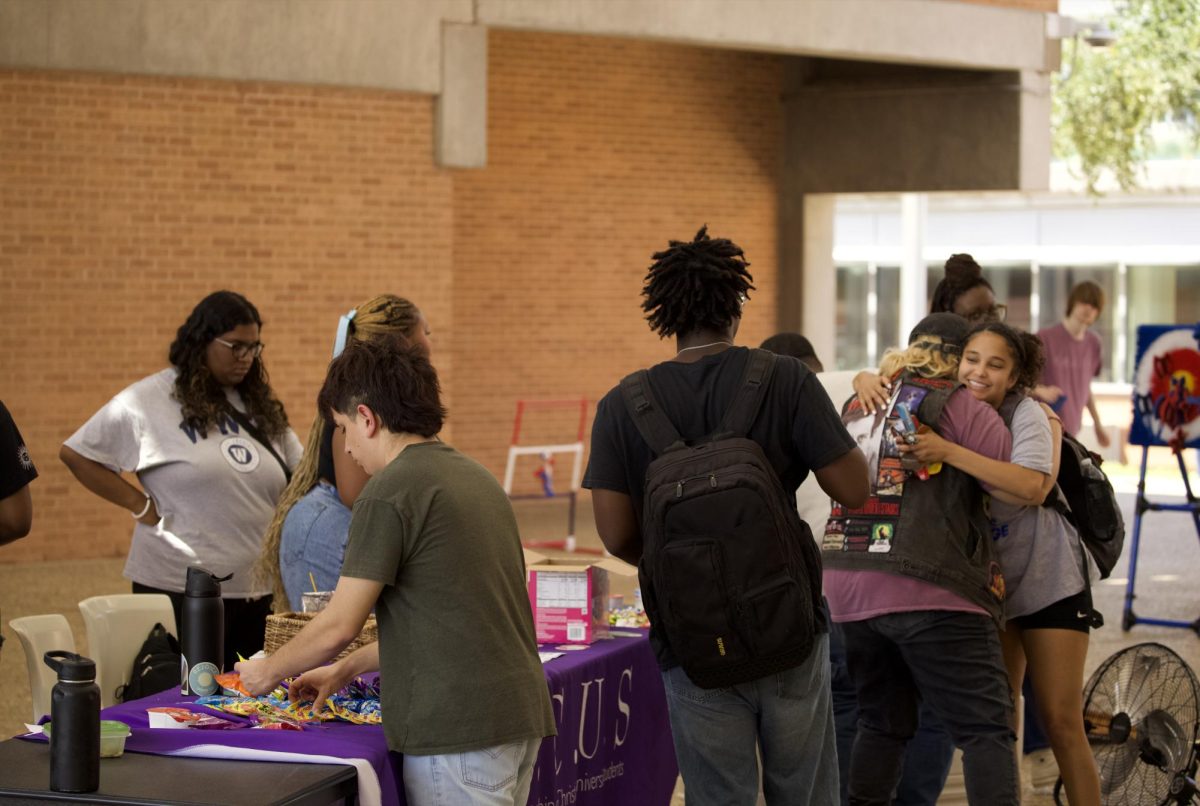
<point x="1073" y="613"/>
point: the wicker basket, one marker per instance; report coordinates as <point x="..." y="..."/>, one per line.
<point x="282" y="627"/>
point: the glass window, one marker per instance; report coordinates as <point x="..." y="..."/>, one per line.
<point x="853" y="319"/>
<point x="887" y="309"/>
<point x="1054" y="288"/>
<point x="1159" y="295"/>
<point x="1011" y="283"/>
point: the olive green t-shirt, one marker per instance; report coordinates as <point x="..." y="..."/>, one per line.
<point x="459" y="668"/>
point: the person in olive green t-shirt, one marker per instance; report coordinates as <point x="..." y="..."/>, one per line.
<point x="434" y="548"/>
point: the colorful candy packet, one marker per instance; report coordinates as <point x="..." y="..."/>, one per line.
<point x="231" y="684"/>
<point x="166" y="717"/>
<point x="357" y="703"/>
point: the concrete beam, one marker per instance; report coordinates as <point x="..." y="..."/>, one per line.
<point x="856" y="128"/>
<point x="931" y="32"/>
<point x="390" y="45"/>
<point x="462" y="106"/>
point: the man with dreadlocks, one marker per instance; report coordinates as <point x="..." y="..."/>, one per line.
<point x="694" y="291"/>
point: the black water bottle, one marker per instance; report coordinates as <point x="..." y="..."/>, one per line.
<point x="202" y="634"/>
<point x="74" y="723"/>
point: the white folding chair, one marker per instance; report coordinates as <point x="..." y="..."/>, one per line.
<point x="117" y="626"/>
<point x="39" y="635"/>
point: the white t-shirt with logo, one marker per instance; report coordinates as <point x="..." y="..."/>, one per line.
<point x="216" y="493"/>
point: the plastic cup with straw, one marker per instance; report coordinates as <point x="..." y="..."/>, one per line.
<point x="315" y="601"/>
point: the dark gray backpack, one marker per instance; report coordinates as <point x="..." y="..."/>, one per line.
<point x="729" y="570"/>
<point x="155" y="668"/>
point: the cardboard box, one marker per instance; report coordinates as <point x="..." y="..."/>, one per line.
<point x="569" y="596"/>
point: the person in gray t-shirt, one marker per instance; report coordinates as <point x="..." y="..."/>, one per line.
<point x="1049" y="599"/>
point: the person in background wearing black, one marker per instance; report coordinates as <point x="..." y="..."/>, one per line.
<point x="16" y="471"/>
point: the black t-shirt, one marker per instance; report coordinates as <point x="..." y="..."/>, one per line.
<point x="16" y="468"/>
<point x="797" y="427"/>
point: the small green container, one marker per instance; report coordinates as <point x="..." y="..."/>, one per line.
<point x="112" y="737"/>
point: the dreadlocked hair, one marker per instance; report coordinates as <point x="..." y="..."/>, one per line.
<point x="1024" y="348"/>
<point x="695" y="285"/>
<point x="924" y="356"/>
<point x="385" y="315"/>
<point x="200" y="396"/>
<point x="962" y="275"/>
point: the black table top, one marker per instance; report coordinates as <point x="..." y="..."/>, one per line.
<point x="141" y="778"/>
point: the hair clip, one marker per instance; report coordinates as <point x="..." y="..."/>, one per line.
<point x="343" y="332"/>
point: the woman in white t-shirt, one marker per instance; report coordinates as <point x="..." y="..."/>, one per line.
<point x="1049" y="604"/>
<point x="211" y="448"/>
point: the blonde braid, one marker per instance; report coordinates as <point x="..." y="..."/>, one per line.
<point x="266" y="570"/>
<point x="919" y="358"/>
<point x="386" y="314"/>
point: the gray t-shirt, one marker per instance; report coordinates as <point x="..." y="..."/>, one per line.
<point x="1039" y="551"/>
<point x="216" y="493"/>
<point x="458" y="658"/>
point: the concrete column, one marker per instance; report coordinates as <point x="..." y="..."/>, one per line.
<point x="461" y="139"/>
<point x="914" y="210"/>
<point x="1034" y="133"/>
<point x="819" y="299"/>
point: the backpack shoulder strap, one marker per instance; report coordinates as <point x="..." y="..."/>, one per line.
<point x="652" y="423"/>
<point x="937" y="394"/>
<point x="1008" y="408"/>
<point x="742" y="412"/>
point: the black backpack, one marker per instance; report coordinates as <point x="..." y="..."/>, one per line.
<point x="733" y="573"/>
<point x="155" y="668"/>
<point x="1084" y="496"/>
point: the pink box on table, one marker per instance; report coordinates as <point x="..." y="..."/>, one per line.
<point x="569" y="596"/>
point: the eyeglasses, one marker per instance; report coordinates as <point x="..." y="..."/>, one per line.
<point x="997" y="312"/>
<point x="242" y="350"/>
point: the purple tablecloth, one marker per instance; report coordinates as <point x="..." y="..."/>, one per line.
<point x="613" y="744"/>
<point x="614" y="738"/>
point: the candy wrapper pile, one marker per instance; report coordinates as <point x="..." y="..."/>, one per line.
<point x="357" y="703"/>
<point x="628" y="617"/>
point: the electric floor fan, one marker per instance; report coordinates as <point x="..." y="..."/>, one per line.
<point x="1142" y="714"/>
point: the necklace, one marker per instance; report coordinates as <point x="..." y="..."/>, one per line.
<point x="702" y="346"/>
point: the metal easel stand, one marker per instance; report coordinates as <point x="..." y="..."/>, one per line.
<point x="1144" y="505"/>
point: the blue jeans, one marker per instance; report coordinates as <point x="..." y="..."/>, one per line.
<point x="493" y="776"/>
<point x="313" y="541"/>
<point x="787" y="716"/>
<point x="927" y="759"/>
<point x="950" y="660"/>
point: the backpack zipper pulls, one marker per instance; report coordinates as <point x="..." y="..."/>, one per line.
<point x="712" y="480"/>
<point x="679" y="489"/>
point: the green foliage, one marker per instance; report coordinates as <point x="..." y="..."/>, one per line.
<point x="1106" y="99"/>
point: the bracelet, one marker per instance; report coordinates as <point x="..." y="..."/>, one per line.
<point x="145" y="509"/>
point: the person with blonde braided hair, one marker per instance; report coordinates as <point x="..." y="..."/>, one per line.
<point x="308" y="533"/>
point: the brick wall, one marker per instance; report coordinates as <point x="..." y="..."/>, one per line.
<point x="124" y="200"/>
<point x="599" y="151"/>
